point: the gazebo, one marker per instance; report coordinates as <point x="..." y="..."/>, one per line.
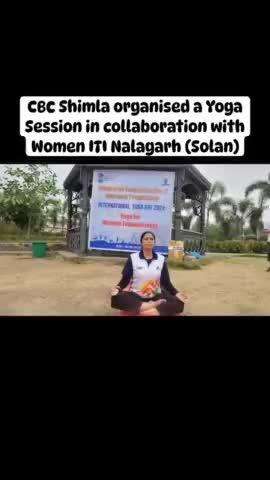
<point x="190" y="184"/>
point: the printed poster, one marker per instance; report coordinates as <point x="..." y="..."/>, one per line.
<point x="125" y="203"/>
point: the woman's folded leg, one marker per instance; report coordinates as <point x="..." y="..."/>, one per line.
<point x="132" y="302"/>
<point x="172" y="306"/>
<point x="128" y="301"/>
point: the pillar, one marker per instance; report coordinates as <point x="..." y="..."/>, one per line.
<point x="203" y="226"/>
<point x="84" y="204"/>
<point x="69" y="209"/>
<point x="179" y="181"/>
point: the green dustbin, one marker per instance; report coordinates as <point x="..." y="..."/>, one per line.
<point x="39" y="249"/>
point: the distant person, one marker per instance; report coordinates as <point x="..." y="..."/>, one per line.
<point x="150" y="288"/>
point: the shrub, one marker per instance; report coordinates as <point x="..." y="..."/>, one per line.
<point x="186" y="264"/>
<point x="9" y="229"/>
<point x="237" y="246"/>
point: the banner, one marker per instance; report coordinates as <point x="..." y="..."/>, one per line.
<point x="125" y="203"/>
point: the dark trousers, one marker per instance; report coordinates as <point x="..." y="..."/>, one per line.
<point x="131" y="302"/>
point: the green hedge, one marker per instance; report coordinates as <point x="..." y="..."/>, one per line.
<point x="237" y="246"/>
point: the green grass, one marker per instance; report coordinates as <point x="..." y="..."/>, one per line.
<point x="34" y="237"/>
<point x="256" y="255"/>
<point x="11" y="233"/>
<point x="214" y="259"/>
<point x="196" y="264"/>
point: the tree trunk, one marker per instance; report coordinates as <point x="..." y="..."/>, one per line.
<point x="243" y="230"/>
<point x="39" y="222"/>
<point x="63" y="223"/>
<point x="29" y="226"/>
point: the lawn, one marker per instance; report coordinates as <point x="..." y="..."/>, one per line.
<point x="52" y="286"/>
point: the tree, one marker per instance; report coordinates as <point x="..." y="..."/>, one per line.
<point x="27" y="192"/>
<point x="225" y="213"/>
<point x="215" y="232"/>
<point x="57" y="214"/>
<point x="53" y="214"/>
<point x="2" y="208"/>
<point x="218" y="188"/>
<point x="64" y="206"/>
<point x="256" y="223"/>
<point x="263" y="187"/>
<point x="223" y="208"/>
<point x="244" y="208"/>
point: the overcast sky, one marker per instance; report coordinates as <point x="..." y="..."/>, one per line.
<point x="235" y="177"/>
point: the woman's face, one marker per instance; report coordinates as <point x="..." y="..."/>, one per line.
<point x="148" y="241"/>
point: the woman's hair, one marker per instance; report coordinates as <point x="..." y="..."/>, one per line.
<point x="144" y="233"/>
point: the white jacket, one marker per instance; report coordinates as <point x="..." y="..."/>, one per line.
<point x="146" y="278"/>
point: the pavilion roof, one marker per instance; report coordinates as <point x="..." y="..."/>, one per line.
<point x="72" y="181"/>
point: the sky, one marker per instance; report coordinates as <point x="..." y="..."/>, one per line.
<point x="236" y="177"/>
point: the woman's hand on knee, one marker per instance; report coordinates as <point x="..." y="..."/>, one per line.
<point x="115" y="291"/>
<point x="182" y="296"/>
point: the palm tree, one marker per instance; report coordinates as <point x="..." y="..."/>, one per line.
<point x="244" y="208"/>
<point x="225" y="217"/>
<point x="263" y="187"/>
<point x="256" y="223"/>
<point x="218" y="188"/>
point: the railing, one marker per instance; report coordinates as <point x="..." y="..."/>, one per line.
<point x="193" y="241"/>
<point x="73" y="238"/>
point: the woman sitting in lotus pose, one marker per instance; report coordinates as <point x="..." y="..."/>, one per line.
<point x="150" y="291"/>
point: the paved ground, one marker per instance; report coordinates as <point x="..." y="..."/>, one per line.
<point x="52" y="286"/>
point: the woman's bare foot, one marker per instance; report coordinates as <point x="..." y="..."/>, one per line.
<point x="158" y="302"/>
<point x="150" y="313"/>
<point x="149" y="305"/>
